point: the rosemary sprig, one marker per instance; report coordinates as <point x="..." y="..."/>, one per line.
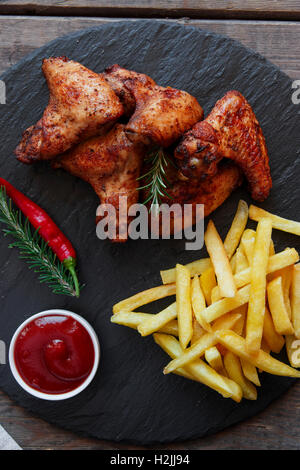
<point x="156" y="182"/>
<point x="35" y="250"/>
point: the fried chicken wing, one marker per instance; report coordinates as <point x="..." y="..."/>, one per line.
<point x="158" y="115"/>
<point x="232" y="131"/>
<point x="211" y="192"/>
<point x="111" y="164"/>
<point x="123" y="81"/>
<point x="82" y="104"/>
<point x="162" y="115"/>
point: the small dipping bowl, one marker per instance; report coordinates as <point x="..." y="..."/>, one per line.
<point x="55" y="396"/>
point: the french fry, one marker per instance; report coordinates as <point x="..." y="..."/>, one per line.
<point x="262" y="360"/>
<point x="184" y="307"/>
<point x="248" y="242"/>
<point x="219" y="261"/>
<point x="199" y="370"/>
<point x="195" y="351"/>
<point x="134" y="319"/>
<point x="170" y="328"/>
<point x="215" y="295"/>
<point x="219" y="308"/>
<point x="241" y="261"/>
<point x="172" y="347"/>
<point x="199" y="347"/>
<point x="279" y="223"/>
<point x="278" y="310"/>
<point x="168" y="276"/>
<point x="286" y="286"/>
<point x="214" y="359"/>
<point x="276" y="262"/>
<point x="270" y="335"/>
<point x="129" y="319"/>
<point x="293" y="350"/>
<point x="221" y="311"/>
<point x="237" y="228"/>
<point x="198" y="302"/>
<point x="198" y="331"/>
<point x="240" y="324"/>
<point x="266" y="348"/>
<point x="207" y="283"/>
<point x="233" y="263"/>
<point x="295" y="299"/>
<point x="257" y="298"/>
<point x="145" y="297"/>
<point x="250" y="372"/>
<point x="156" y="322"/>
<point x="233" y="368"/>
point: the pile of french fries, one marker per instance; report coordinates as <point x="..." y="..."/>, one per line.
<point x="232" y="309"/>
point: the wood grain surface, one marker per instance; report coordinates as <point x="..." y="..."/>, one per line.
<point x="275" y="40"/>
<point x="268" y="9"/>
<point x="277" y="427"/>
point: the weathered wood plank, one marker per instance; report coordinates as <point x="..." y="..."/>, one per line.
<point x="277" y="41"/>
<point x="275" y="428"/>
<point x="281" y="9"/>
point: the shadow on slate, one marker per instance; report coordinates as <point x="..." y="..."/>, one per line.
<point x="130" y="399"/>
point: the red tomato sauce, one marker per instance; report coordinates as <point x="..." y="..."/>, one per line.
<point x="54" y="354"/>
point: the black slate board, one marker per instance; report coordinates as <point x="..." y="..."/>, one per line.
<point x="130" y="399"/>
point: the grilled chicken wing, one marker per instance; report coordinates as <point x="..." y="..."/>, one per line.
<point x="111" y="164"/>
<point x="123" y="81"/>
<point x="162" y="115"/>
<point x="211" y="192"/>
<point x="232" y="131"/>
<point x="158" y="115"/>
<point x="81" y="105"/>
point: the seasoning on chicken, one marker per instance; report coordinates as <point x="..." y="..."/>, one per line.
<point x="81" y="105"/>
<point x="159" y="115"/>
<point x="211" y="192"/>
<point x="232" y="131"/>
<point x="123" y="81"/>
<point x="162" y="115"/>
<point x="111" y="164"/>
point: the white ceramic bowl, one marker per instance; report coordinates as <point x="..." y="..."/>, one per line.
<point x="59" y="396"/>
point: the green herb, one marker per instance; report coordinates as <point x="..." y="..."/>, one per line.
<point x="156" y="182"/>
<point x="34" y="249"/>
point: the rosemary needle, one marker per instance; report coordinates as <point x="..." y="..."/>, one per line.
<point x="156" y="182"/>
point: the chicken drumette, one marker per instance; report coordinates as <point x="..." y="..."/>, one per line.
<point x="82" y="104"/>
<point x="160" y="115"/>
<point x="232" y="131"/>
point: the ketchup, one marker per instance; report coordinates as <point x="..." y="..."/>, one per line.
<point x="54" y="354"/>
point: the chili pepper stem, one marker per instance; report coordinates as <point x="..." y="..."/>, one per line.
<point x="70" y="264"/>
<point x="75" y="279"/>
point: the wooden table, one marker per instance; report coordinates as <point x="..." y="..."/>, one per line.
<point x="273" y="29"/>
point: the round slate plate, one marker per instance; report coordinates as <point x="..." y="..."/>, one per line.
<point x="131" y="399"/>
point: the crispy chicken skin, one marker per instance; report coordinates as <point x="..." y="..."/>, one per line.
<point x="162" y="115"/>
<point x="158" y="115"/>
<point x="81" y="105"/>
<point x="232" y="131"/>
<point x="111" y="164"/>
<point x="123" y="81"/>
<point x="211" y="192"/>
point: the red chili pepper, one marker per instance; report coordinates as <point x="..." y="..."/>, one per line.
<point x="48" y="230"/>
